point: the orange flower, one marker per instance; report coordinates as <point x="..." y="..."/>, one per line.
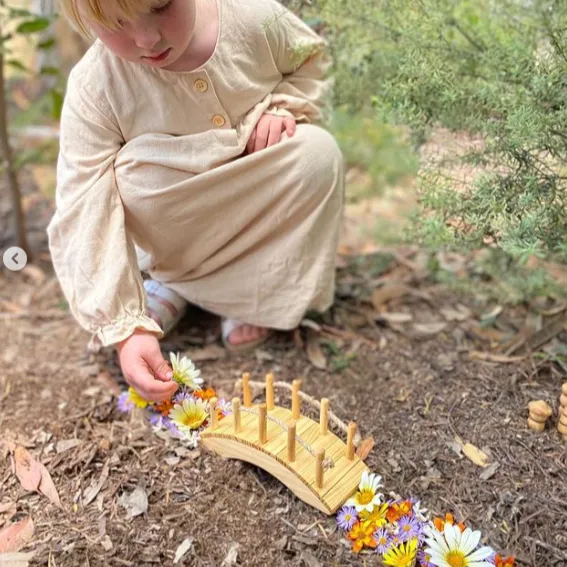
<point x="449" y="519"/>
<point x="205" y="394"/>
<point x="501" y="562"/>
<point x="361" y="535"/>
<point x="397" y="511"/>
<point x="164" y="407"/>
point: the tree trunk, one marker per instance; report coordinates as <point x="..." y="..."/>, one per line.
<point x="8" y="163"/>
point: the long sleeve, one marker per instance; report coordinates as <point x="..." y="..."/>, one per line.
<point x="302" y="58"/>
<point x="93" y="256"/>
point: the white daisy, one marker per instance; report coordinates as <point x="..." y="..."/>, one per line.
<point x="422" y="514"/>
<point x="185" y="373"/>
<point x="366" y="497"/>
<point x="454" y="548"/>
<point x="189" y="415"/>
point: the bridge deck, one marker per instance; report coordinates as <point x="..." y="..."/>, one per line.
<point x="339" y="482"/>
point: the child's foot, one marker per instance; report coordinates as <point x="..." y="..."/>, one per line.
<point x="241" y="337"/>
<point x="164" y="305"/>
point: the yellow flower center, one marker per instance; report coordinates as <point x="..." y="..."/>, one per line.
<point x="366" y="496"/>
<point x="383" y="540"/>
<point x="192" y="420"/>
<point x="407" y="528"/>
<point x="456" y="559"/>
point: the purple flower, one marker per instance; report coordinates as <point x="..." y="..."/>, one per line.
<point x="409" y="527"/>
<point x="224" y="406"/>
<point x="180" y="396"/>
<point x="124" y="404"/>
<point x="424" y="559"/>
<point x="346" y="518"/>
<point x="383" y="540"/>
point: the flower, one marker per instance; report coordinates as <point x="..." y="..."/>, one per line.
<point x="225" y="407"/>
<point x="366" y="497"/>
<point x="361" y="535"/>
<point x="124" y="403"/>
<point x="189" y="415"/>
<point x="185" y="373"/>
<point x="420" y="513"/>
<point x="346" y="518"/>
<point x="424" y="559"/>
<point x="456" y="548"/>
<point x="205" y="395"/>
<point x="164" y="407"/>
<point x="449" y="519"/>
<point x="499" y="561"/>
<point x="377" y="516"/>
<point x="398" y="509"/>
<point x="383" y="540"/>
<point x="409" y="527"/>
<point x="136" y="399"/>
<point x="402" y="556"/>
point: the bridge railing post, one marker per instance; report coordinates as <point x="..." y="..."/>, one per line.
<point x="319" y="472"/>
<point x="291" y="441"/>
<point x="246" y="392"/>
<point x="351" y="432"/>
<point x="236" y="415"/>
<point x="295" y="400"/>
<point x="262" y="424"/>
<point x="324" y="416"/>
<point x="269" y="392"/>
<point x="214" y="418"/>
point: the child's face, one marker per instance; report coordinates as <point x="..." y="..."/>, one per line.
<point x="156" y="39"/>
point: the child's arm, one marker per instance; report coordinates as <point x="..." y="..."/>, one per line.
<point x="302" y="58"/>
<point x="92" y="253"/>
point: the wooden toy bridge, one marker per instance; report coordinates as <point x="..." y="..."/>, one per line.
<point x="305" y="456"/>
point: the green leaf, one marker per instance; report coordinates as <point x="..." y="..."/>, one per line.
<point x="19" y="13"/>
<point x="17" y="65"/>
<point x="5" y="38"/>
<point x="33" y="26"/>
<point x="57" y="101"/>
<point x="47" y="44"/>
<point x="49" y="71"/>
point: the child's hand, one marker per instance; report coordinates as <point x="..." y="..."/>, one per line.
<point x="144" y="367"/>
<point x="268" y="132"/>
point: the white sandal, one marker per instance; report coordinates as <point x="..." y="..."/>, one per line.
<point x="229" y="325"/>
<point x="163" y="305"/>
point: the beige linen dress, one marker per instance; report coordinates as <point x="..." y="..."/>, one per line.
<point x="152" y="176"/>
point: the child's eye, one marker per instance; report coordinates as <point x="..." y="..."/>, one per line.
<point x="162" y="8"/>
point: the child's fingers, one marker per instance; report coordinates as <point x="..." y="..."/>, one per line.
<point x="275" y="133"/>
<point x="149" y="388"/>
<point x="158" y="365"/>
<point x="290" y="126"/>
<point x="262" y="132"/>
<point x="251" y="142"/>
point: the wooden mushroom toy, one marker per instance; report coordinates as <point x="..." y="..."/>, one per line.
<point x="539" y="413"/>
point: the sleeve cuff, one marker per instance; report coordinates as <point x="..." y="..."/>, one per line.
<point x="122" y="328"/>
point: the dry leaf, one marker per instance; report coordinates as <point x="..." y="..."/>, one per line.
<point x="47" y="487"/>
<point x="382" y="295"/>
<point x="461" y="313"/>
<point x="28" y="469"/>
<point x="7" y="511"/>
<point x="231" y="556"/>
<point x="35" y="273"/>
<point x="429" y="328"/>
<point x="366" y="445"/>
<point x="16" y="536"/>
<point x="490" y="471"/>
<point x="473" y="453"/>
<point x="314" y="352"/>
<point x="92" y="491"/>
<point x="490" y="357"/>
<point x="136" y="503"/>
<point x="395" y="317"/>
<point x="183" y="548"/>
<point x="66" y="445"/>
<point x="210" y="352"/>
<point x="15" y="559"/>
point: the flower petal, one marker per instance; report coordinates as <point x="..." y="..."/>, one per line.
<point x="474" y="538"/>
<point x="481" y="554"/>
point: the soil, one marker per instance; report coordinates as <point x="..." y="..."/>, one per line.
<point x="413" y="388"/>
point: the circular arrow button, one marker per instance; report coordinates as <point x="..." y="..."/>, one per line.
<point x="15" y="259"/>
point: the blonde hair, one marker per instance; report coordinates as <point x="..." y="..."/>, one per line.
<point x="93" y="10"/>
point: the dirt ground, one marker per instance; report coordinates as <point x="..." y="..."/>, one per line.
<point x="408" y="369"/>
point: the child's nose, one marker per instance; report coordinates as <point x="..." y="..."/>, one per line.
<point x="146" y="37"/>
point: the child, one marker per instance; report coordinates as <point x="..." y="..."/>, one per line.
<point x="189" y="151"/>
